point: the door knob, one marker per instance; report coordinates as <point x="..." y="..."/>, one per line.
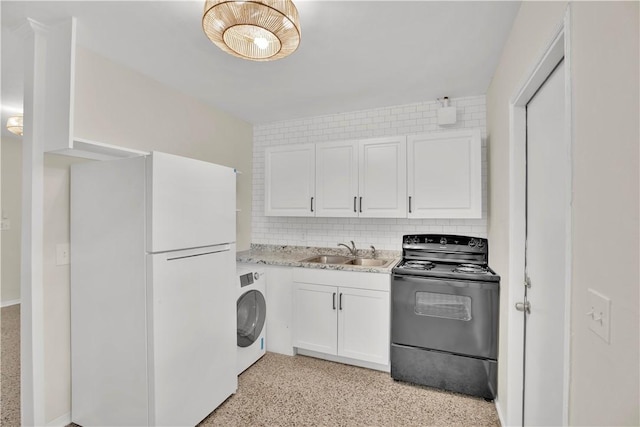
<point x="523" y="306"/>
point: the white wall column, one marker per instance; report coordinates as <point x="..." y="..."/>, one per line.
<point x="31" y="286"/>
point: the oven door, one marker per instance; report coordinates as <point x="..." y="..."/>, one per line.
<point x="447" y="315"/>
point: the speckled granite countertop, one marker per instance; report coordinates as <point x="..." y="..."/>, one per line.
<point x="292" y="256"/>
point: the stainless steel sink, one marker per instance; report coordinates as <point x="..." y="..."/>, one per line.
<point x="346" y="260"/>
<point x="370" y="262"/>
<point x="328" y="259"/>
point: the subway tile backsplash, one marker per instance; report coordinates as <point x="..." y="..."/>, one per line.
<point x="383" y="233"/>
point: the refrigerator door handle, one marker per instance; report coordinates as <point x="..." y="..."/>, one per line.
<point x="197" y="252"/>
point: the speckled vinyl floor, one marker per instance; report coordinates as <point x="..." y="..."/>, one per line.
<point x="10" y="367"/>
<point x="298" y="391"/>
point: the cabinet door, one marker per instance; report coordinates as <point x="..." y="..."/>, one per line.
<point x="445" y="175"/>
<point x="337" y="179"/>
<point x="363" y="325"/>
<point x="290" y="180"/>
<point x="315" y="322"/>
<point x="383" y="178"/>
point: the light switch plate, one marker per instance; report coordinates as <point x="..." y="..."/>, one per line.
<point x="62" y="254"/>
<point x="599" y="314"/>
<point x="5" y="224"/>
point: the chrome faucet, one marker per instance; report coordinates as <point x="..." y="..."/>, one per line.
<point x="373" y="251"/>
<point x="352" y="249"/>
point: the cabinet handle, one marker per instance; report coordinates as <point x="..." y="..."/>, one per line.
<point x="360" y="203"/>
<point x="409" y="204"/>
<point x="340" y="303"/>
<point x="312" y="204"/>
<point x="354" y="204"/>
<point x="334" y="300"/>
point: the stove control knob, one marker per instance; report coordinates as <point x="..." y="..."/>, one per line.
<point x="472" y="242"/>
<point x="480" y="243"/>
<point x="416" y="240"/>
<point x="443" y="241"/>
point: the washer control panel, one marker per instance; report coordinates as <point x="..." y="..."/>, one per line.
<point x="247" y="279"/>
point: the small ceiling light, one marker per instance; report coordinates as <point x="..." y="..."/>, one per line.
<point x="14" y="125"/>
<point x="259" y="30"/>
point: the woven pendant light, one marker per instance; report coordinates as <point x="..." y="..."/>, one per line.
<point x="14" y="125"/>
<point x="259" y="30"/>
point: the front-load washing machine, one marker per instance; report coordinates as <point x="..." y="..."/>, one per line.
<point x="252" y="315"/>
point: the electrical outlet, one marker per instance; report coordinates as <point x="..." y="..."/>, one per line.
<point x="62" y="254"/>
<point x="5" y="224"/>
<point x="599" y="314"/>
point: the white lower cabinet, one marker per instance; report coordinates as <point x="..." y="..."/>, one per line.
<point x="315" y="317"/>
<point x="345" y="321"/>
<point x="363" y="324"/>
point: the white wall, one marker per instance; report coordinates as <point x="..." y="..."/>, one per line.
<point x="533" y="28"/>
<point x="119" y="106"/>
<point x="605" y="378"/>
<point x="604" y="387"/>
<point x="12" y="208"/>
<point x="116" y="105"/>
<point x="57" y="343"/>
<point x="384" y="233"/>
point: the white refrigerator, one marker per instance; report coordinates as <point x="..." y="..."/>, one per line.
<point x="153" y="322"/>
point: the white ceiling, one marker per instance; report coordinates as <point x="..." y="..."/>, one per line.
<point x="354" y="54"/>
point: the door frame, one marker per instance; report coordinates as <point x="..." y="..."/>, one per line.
<point x="557" y="49"/>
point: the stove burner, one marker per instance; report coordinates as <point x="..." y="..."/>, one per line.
<point x="470" y="268"/>
<point x="419" y="265"/>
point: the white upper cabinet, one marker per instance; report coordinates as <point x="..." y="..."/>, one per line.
<point x="444" y="174"/>
<point x="290" y="180"/>
<point x="363" y="178"/>
<point x="383" y="179"/>
<point x="436" y="175"/>
<point x="337" y="179"/>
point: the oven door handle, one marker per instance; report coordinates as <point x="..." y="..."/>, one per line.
<point x="441" y="281"/>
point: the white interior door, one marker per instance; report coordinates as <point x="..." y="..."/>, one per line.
<point x="546" y="253"/>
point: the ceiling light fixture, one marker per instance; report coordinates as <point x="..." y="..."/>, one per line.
<point x="14" y="125"/>
<point x="259" y="30"/>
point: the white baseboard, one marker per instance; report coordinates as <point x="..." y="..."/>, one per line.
<point x="499" y="410"/>
<point x="344" y="360"/>
<point x="10" y="302"/>
<point x="61" y="421"/>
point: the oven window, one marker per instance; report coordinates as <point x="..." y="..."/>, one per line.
<point x="456" y="307"/>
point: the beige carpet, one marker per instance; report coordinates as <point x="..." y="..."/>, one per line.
<point x="295" y="391"/>
<point x="10" y="367"/>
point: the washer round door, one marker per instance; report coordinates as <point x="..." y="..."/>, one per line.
<point x="251" y="316"/>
